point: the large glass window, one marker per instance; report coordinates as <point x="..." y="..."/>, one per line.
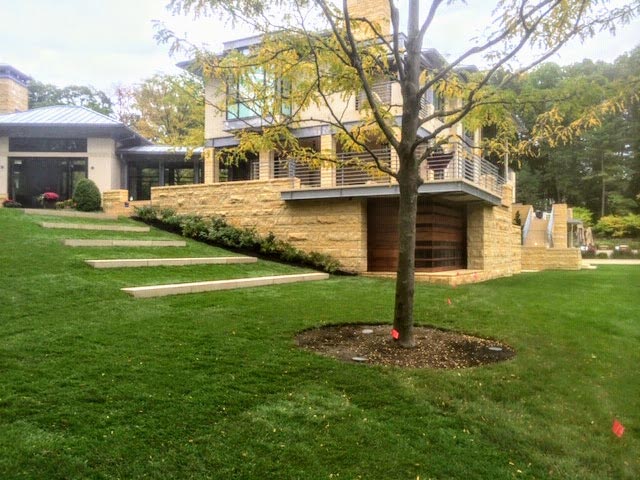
<point x="31" y="177"/>
<point x="27" y="144"/>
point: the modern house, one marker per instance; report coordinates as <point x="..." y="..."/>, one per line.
<point x="49" y="149"/>
<point x="349" y="212"/>
<point x="465" y="228"/>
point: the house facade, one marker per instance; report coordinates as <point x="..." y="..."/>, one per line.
<point x="50" y="149"/>
<point x="349" y="212"/>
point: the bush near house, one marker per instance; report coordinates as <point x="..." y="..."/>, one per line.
<point x="216" y="231"/>
<point x="87" y="196"/>
<point x="8" y="203"/>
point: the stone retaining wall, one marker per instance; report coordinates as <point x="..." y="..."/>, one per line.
<point x="541" y="258"/>
<point x="336" y="227"/>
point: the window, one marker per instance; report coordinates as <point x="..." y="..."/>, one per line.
<point x="242" y="99"/>
<point x="248" y="94"/>
<point x="18" y="144"/>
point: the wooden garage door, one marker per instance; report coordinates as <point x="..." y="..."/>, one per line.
<point x="440" y="236"/>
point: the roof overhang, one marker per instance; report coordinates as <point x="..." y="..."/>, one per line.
<point x="457" y="191"/>
<point x="120" y="134"/>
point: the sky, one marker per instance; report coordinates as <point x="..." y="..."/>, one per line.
<point x="104" y="43"/>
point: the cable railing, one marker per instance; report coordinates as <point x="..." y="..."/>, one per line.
<point x="290" y="168"/>
<point x="359" y="168"/>
<point x="527" y="225"/>
<point x="550" y="222"/>
<point x="455" y="163"/>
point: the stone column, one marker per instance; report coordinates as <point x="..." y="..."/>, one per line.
<point x="211" y="166"/>
<point x="328" y="169"/>
<point x="265" y="169"/>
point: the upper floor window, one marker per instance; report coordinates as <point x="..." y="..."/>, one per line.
<point x="253" y="94"/>
<point x="28" y="144"/>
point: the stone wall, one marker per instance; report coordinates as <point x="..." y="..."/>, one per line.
<point x="560" y="231"/>
<point x="116" y="202"/>
<point x="493" y="243"/>
<point x="541" y="258"/>
<point x="334" y="227"/>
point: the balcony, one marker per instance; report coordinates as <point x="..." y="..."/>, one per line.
<point x="456" y="173"/>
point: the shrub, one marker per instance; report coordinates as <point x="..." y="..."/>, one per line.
<point x="87" y="196"/>
<point x="217" y="231"/>
<point x="8" y="203"/>
<point x="602" y="255"/>
<point x="65" y="204"/>
<point x="619" y="227"/>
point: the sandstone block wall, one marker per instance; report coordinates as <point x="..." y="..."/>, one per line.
<point x="493" y="244"/>
<point x="116" y="202"/>
<point x="541" y="258"/>
<point x="560" y="218"/>
<point x="334" y="227"/>
<point x="13" y="96"/>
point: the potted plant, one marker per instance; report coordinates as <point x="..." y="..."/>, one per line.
<point x="48" y="199"/>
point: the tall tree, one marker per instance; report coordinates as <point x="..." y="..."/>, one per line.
<point x="45" y="95"/>
<point x="322" y="51"/>
<point x="167" y="109"/>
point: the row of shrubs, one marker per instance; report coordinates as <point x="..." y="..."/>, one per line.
<point x="216" y="231"/>
<point x="614" y="254"/>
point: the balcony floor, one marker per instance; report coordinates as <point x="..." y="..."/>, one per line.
<point x="458" y="191"/>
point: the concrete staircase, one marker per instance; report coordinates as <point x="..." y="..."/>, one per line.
<point x="537" y="236"/>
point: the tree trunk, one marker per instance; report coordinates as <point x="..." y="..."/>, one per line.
<point x="405" y="280"/>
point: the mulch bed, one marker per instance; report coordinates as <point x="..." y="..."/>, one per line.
<point x="435" y="348"/>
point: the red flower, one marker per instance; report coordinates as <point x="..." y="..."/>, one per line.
<point x="50" y="196"/>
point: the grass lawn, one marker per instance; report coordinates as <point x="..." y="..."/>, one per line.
<point x="96" y="384"/>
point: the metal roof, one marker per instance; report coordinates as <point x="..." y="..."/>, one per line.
<point x="160" y="150"/>
<point x="65" y="120"/>
<point x="59" y="115"/>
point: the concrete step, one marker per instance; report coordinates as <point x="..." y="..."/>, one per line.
<point x="94" y="226"/>
<point x="69" y="213"/>
<point x="160" y="262"/>
<point x="69" y="242"/>
<point x="199" y="287"/>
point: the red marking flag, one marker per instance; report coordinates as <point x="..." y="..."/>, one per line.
<point x="617" y="428"/>
<point x="395" y="334"/>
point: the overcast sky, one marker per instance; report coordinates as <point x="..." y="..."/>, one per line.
<point x="106" y="42"/>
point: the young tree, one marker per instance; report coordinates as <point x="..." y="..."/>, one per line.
<point x="322" y="51"/>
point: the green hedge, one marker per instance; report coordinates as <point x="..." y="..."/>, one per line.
<point x="216" y="231"/>
<point x="87" y="196"/>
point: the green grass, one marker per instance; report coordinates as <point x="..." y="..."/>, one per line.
<point x="95" y="384"/>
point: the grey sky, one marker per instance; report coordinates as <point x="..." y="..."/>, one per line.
<point x="106" y="42"/>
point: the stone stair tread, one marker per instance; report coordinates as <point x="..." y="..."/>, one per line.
<point x="216" y="285"/>
<point x="71" y="242"/>
<point x="157" y="262"/>
<point x="93" y="226"/>
<point x="69" y="213"/>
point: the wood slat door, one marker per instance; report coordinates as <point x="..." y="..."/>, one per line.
<point x="440" y="236"/>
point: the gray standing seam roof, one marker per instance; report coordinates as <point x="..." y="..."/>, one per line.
<point x="59" y="115"/>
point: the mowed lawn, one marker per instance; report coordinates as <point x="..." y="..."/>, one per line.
<point x="96" y="384"/>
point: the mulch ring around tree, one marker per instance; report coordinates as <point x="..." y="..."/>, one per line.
<point x="373" y="345"/>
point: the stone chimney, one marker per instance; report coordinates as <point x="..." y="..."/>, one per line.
<point x="14" y="94"/>
<point x="376" y="11"/>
